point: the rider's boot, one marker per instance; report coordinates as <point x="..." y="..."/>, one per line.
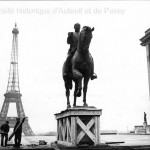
<point x="93" y="76"/>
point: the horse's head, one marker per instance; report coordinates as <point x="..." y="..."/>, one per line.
<point x="86" y="36"/>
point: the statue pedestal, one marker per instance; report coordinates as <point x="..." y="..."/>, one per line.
<point x="78" y="126"/>
<point x="144" y="125"/>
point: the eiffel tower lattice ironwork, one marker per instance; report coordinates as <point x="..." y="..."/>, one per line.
<point x="13" y="94"/>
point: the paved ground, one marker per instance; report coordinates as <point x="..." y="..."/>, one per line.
<point x="32" y="142"/>
<point x="129" y="140"/>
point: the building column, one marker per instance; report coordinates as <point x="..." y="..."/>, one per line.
<point x="145" y="41"/>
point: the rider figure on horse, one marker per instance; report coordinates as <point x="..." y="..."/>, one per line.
<point x="73" y="39"/>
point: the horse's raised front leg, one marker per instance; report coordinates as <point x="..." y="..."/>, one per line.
<point x="79" y="77"/>
<point x="86" y="80"/>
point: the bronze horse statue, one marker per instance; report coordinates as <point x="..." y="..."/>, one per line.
<point x="81" y="67"/>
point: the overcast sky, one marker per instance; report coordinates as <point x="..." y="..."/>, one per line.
<point x="121" y="89"/>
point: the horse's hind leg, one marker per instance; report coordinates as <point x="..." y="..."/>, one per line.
<point x="86" y="80"/>
<point x="68" y="86"/>
<point x="67" y="95"/>
<point x="75" y="91"/>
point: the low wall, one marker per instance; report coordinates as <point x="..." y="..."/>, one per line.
<point x="148" y="129"/>
<point x="142" y="129"/>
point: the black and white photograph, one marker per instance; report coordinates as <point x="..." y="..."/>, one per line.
<point x="75" y="75"/>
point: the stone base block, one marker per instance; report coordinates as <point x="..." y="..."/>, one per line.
<point x="79" y="126"/>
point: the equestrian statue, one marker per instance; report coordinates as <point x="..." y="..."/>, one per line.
<point x="79" y="64"/>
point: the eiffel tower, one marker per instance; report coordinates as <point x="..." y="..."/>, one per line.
<point x="13" y="94"/>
